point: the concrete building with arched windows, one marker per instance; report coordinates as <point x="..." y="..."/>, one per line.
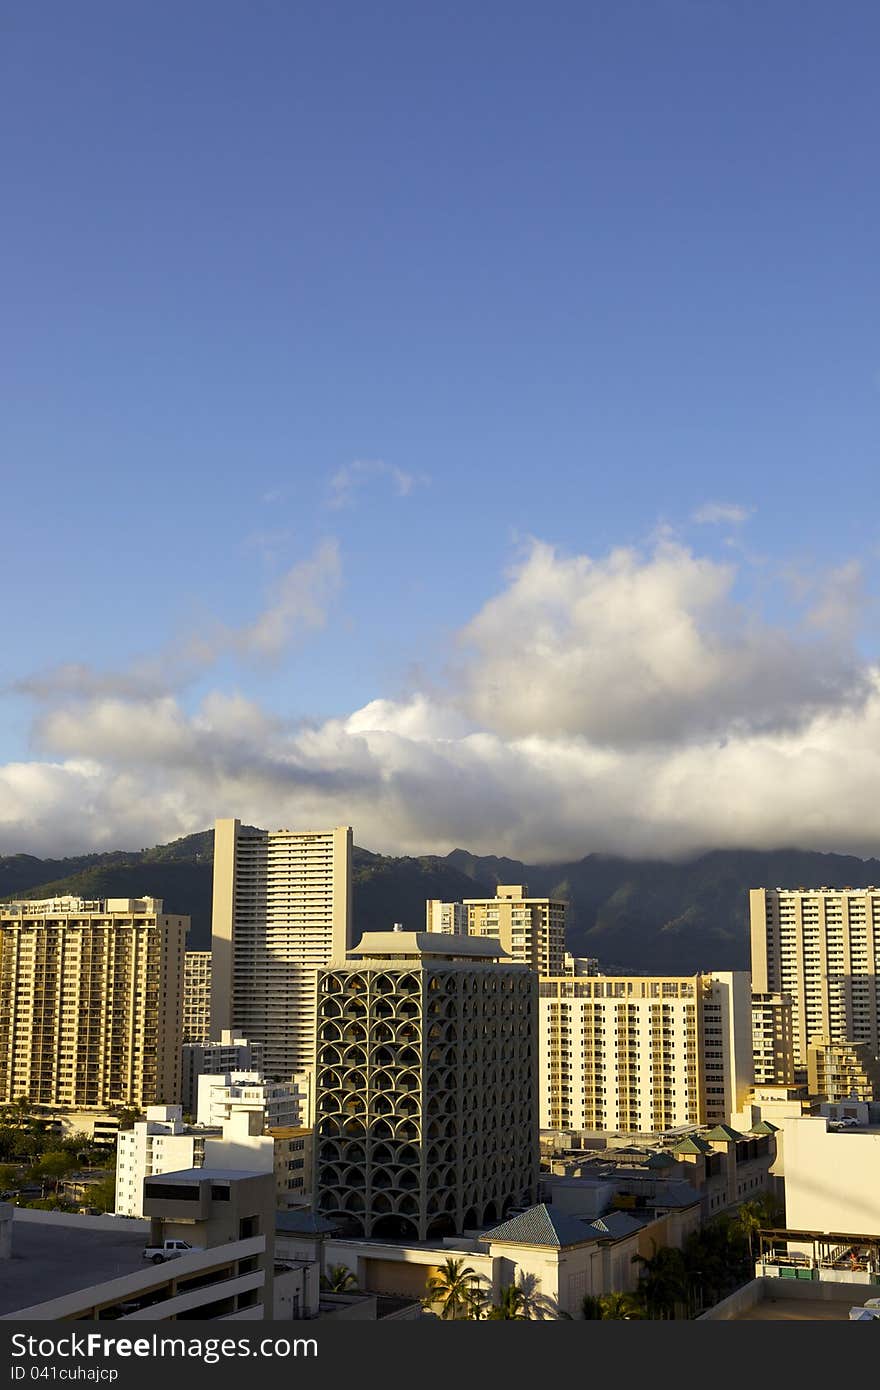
<point x="426" y="1086"/>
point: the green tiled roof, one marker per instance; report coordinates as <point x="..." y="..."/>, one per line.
<point x="660" y="1160"/>
<point x="764" y="1127"/>
<point x="542" y="1225"/>
<point x="722" y="1134"/>
<point x="693" y="1144"/>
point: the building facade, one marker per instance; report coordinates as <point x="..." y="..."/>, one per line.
<point x="90" y="1002"/>
<point x="426" y="1087"/>
<point x="772" y="1040"/>
<point x="196" y="996"/>
<point x="528" y="929"/>
<point x="232" y="1093"/>
<point x="821" y="946"/>
<point x="214" y="1059"/>
<point x="644" y="1054"/>
<point x="841" y="1071"/>
<point x="282" y="908"/>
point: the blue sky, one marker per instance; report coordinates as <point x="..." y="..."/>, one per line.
<point x="510" y="274"/>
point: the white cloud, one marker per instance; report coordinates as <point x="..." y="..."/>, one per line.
<point x="625" y="704"/>
<point x="715" y="513"/>
<point x="345" y="483"/>
<point x="632" y="649"/>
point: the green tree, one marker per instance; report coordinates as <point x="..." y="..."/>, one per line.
<point x="339" y="1279"/>
<point x="8" y="1176"/>
<point x="749" y="1219"/>
<point x="451" y="1287"/>
<point x="510" y="1306"/>
<point x="101" y="1195"/>
<point x="619" y="1307"/>
<point x="591" y="1307"/>
<point x="479" y="1300"/>
<point x="54" y="1166"/>
<point x="663" y="1281"/>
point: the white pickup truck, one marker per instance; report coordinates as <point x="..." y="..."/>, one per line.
<point x="168" y="1250"/>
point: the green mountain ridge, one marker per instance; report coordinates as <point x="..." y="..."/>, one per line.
<point x="636" y="915"/>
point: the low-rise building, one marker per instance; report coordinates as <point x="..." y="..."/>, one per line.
<point x="69" y="1268"/>
<point x="221" y="1096"/>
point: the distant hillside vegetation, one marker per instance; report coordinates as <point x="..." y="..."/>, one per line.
<point x="639" y="915"/>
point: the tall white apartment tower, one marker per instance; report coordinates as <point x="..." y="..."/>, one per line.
<point x="282" y="909"/>
<point x="821" y="946"/>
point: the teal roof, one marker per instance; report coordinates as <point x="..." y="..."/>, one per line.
<point x="616" y="1224"/>
<point x="542" y="1225"/>
<point x="722" y="1134"/>
<point x="660" y="1160"/>
<point x="693" y="1144"/>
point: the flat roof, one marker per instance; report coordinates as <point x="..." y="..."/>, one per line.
<point x="379" y="944"/>
<point x="51" y="1259"/>
<point x="211" y="1174"/>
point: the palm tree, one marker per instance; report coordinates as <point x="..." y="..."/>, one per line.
<point x="536" y="1305"/>
<point x="749" y="1220"/>
<point x="591" y="1307"/>
<point x="619" y="1306"/>
<point x="451" y="1286"/>
<point x="663" y="1281"/>
<point x="339" y="1279"/>
<point x="479" y="1300"/>
<point x="510" y="1305"/>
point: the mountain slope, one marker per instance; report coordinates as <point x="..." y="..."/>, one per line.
<point x="640" y="915"/>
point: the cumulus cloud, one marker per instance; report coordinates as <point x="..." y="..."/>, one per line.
<point x="345" y="483"/>
<point x="638" y="648"/>
<point x="721" y="513"/>
<point x="625" y="704"/>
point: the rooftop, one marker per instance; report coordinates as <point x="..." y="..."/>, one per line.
<point x="389" y="945"/>
<point x="50" y="1259"/>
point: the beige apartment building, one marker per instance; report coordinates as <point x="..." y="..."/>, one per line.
<point x="196" y="996"/>
<point x="821" y="946"/>
<point x="282" y="908"/>
<point x="90" y="1002"/>
<point x="772" y="1040"/>
<point x="528" y="929"/>
<point x="841" y="1071"/>
<point x="427" y="1086"/>
<point x="644" y="1054"/>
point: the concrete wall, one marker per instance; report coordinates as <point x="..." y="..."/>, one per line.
<point x="763" y="1290"/>
<point x="830" y="1178"/>
<point x="85" y="1223"/>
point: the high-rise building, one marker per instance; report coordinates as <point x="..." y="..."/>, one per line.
<point x="644" y="1054"/>
<point x="90" y="1002"/>
<point x="772" y="1040"/>
<point x="841" y="1070"/>
<point x="196" y="996"/>
<point x="821" y="946"/>
<point x="427" y="1086"/>
<point x="528" y="929"/>
<point x="446" y="917"/>
<point x="214" y="1058"/>
<point x="282" y="908"/>
<point x="580" y="965"/>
